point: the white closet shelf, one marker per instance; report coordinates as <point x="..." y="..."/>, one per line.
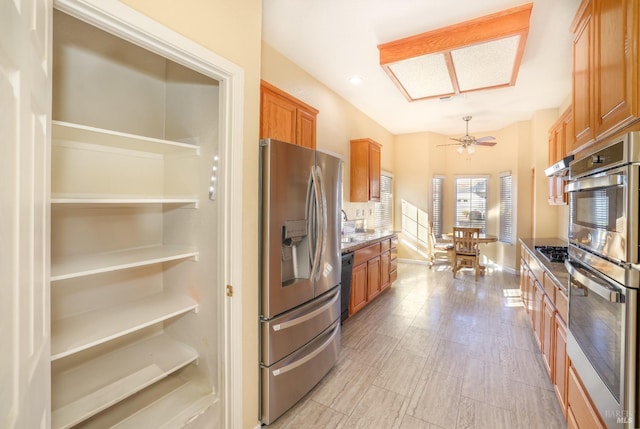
<point x="170" y="403"/>
<point x="65" y="131"/>
<point x="122" y="200"/>
<point x="83" y="391"/>
<point x="96" y="263"/>
<point x="74" y="334"/>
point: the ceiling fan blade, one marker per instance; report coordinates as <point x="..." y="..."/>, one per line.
<point x="486" y="143"/>
<point x="458" y="140"/>
<point x="450" y="144"/>
<point x="486" y="138"/>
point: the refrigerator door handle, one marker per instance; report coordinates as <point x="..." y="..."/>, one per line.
<point x="310" y="356"/>
<point x="322" y="218"/>
<point x="313" y="199"/>
<point x="299" y="320"/>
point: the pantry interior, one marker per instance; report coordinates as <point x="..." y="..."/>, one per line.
<point x="136" y="309"/>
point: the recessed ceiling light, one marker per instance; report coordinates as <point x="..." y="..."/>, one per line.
<point x="355" y="80"/>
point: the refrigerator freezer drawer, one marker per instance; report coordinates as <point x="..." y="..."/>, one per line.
<point x="284" y="334"/>
<point x="286" y="382"/>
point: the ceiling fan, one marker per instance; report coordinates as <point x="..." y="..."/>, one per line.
<point x="468" y="142"/>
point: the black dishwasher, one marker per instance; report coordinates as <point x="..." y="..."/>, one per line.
<point x="345" y="291"/>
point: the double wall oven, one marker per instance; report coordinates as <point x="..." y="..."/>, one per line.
<point x="604" y="277"/>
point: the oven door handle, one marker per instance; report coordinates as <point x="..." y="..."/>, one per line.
<point x="608" y="293"/>
<point x="595" y="182"/>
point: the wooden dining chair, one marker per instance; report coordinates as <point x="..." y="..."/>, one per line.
<point x="439" y="251"/>
<point x="465" y="250"/>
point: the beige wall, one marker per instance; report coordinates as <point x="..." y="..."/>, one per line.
<point x="231" y="29"/>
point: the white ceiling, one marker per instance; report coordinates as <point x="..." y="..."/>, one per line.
<point x="335" y="39"/>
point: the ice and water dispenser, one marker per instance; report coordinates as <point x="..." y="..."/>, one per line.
<point x="296" y="263"/>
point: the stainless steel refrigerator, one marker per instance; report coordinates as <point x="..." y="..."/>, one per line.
<point x="300" y="269"/>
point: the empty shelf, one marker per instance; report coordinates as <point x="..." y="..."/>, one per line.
<point x="97" y="384"/>
<point x="170" y="403"/>
<point x="96" y="263"/>
<point x="77" y="333"/>
<point x="106" y="199"/>
<point x="65" y="131"/>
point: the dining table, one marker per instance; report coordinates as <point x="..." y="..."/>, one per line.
<point x="482" y="239"/>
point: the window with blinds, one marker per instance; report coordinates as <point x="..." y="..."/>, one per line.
<point x="436" y="205"/>
<point x="383" y="211"/>
<point x="471" y="202"/>
<point x="506" y="209"/>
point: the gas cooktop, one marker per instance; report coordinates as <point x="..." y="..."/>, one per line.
<point x="553" y="253"/>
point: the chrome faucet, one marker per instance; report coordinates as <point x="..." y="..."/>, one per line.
<point x="344" y="216"/>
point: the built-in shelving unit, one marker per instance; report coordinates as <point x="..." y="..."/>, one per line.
<point x="133" y="244"/>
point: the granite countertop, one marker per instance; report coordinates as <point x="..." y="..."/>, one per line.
<point x="353" y="242"/>
<point x="556" y="270"/>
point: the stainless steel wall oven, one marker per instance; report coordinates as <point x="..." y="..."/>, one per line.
<point x="604" y="277"/>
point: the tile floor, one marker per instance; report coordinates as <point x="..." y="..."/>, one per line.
<point x="434" y="352"/>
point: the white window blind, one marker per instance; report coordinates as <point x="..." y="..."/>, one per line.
<point x="506" y="209"/>
<point x="383" y="211"/>
<point x="471" y="202"/>
<point x="436" y="206"/>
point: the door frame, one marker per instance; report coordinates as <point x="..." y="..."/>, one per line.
<point x="131" y="25"/>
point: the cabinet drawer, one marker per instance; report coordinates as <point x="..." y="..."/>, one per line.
<point x="393" y="265"/>
<point x="393" y="276"/>
<point x="562" y="303"/>
<point x="364" y="254"/>
<point x="394" y="253"/>
<point x="394" y="241"/>
<point x="385" y="245"/>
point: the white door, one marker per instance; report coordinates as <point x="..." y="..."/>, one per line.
<point x="25" y="91"/>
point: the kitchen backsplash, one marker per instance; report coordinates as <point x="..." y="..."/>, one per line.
<point x="362" y="213"/>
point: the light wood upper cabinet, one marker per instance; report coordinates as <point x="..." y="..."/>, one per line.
<point x="582" y="80"/>
<point x="616" y="38"/>
<point x="561" y="136"/>
<point x="365" y="170"/>
<point x="283" y="117"/>
<point x="606" y="74"/>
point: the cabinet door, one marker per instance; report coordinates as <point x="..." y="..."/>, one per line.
<point x="358" y="289"/>
<point x="582" y="80"/>
<point x="385" y="267"/>
<point x="306" y="129"/>
<point x="561" y="363"/>
<point x="536" y="311"/>
<point x="579" y="404"/>
<point x="277" y="117"/>
<point x="374" y="172"/>
<point x="548" y="332"/>
<point x="612" y="64"/>
<point x="373" y="278"/>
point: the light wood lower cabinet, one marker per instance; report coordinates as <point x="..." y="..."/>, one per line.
<point x="560" y="363"/>
<point x="548" y="333"/>
<point x="358" y="289"/>
<point x="374" y="270"/>
<point x="581" y="414"/>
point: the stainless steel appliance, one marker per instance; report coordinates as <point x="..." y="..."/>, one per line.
<point x="604" y="277"/>
<point x="300" y="258"/>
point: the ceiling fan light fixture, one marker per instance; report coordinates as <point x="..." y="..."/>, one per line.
<point x="460" y="150"/>
<point x="470" y="149"/>
<point x="482" y="53"/>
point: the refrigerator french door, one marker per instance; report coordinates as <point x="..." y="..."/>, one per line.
<point x="301" y="198"/>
